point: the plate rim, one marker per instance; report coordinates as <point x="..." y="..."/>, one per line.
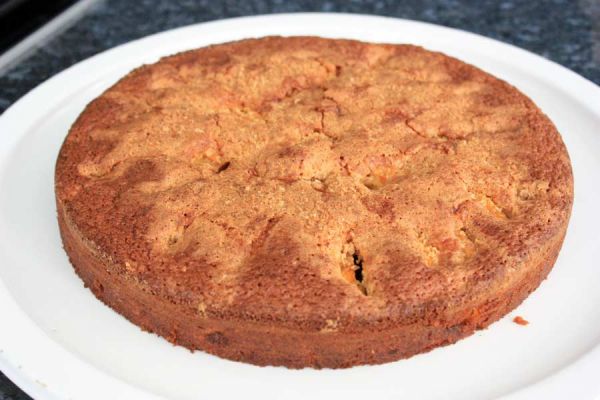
<point x="577" y="371"/>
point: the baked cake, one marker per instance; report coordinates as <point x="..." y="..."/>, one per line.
<point x="308" y="202"/>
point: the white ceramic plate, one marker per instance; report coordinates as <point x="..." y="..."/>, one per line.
<point x="58" y="342"/>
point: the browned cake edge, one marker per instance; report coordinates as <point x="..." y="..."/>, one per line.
<point x="263" y="344"/>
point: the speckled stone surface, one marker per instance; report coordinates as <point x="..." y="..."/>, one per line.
<point x="564" y="31"/>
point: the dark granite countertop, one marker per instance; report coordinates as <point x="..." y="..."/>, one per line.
<point x="564" y="31"/>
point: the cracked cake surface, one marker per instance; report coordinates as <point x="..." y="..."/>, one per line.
<point x="312" y="202"/>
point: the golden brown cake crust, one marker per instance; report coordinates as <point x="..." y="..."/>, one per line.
<point x="312" y="202"/>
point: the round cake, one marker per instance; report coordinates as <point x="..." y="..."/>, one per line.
<point x="309" y="202"/>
